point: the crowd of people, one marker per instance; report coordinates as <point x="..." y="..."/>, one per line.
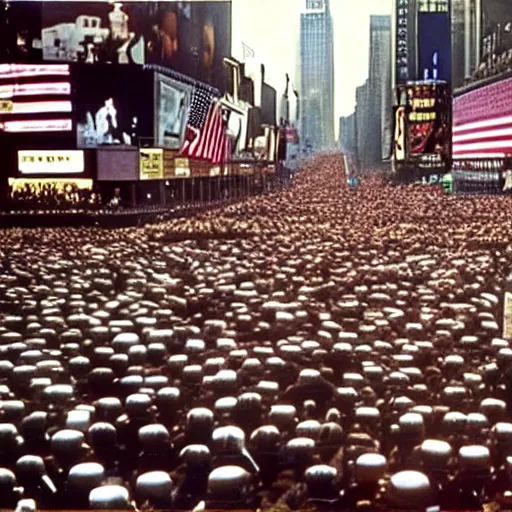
<point x="53" y="196"/>
<point x="321" y="347"/>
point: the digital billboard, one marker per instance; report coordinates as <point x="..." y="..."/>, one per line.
<point x="172" y="100"/>
<point x="434" y="46"/>
<point x="482" y="122"/>
<point x="104" y="32"/>
<point x="114" y="105"/>
<point x="191" y="38"/>
<point x="35" y="98"/>
<point x="428" y="121"/>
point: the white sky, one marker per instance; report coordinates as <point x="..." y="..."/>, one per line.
<point x="271" y="29"/>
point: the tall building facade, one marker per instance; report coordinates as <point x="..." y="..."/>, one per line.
<point x="348" y="134"/>
<point x="363" y="135"/>
<point x="317" y="75"/>
<point x="379" y="89"/>
<point x="422" y="43"/>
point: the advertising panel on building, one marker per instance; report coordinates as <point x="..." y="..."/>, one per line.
<point x="172" y="103"/>
<point x="402" y="41"/>
<point x="428" y="120"/>
<point x="191" y="38"/>
<point x="482" y="122"/>
<point x="151" y="164"/>
<point x="50" y="162"/>
<point x="93" y="32"/>
<point x="35" y="98"/>
<point x="434" y="46"/>
<point x="496" y="29"/>
<point x="117" y="164"/>
<point x="114" y="105"/>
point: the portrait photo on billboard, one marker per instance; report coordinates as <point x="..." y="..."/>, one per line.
<point x="20" y="32"/>
<point x="172" y="108"/>
<point x="95" y="32"/>
<point x="192" y="38"/>
<point x="113" y="105"/>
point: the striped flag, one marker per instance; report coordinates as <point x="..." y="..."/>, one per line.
<point x="208" y="142"/>
<point x="483" y="122"/>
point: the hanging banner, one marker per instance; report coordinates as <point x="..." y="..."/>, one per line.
<point x="151" y="164"/>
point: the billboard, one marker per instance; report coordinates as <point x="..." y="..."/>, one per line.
<point x="172" y="100"/>
<point x="191" y="38"/>
<point x="35" y="98"/>
<point x="434" y="46"/>
<point x="482" y="122"/>
<point x="402" y="51"/>
<point x="51" y="162"/>
<point x="399" y="139"/>
<point x="115" y="164"/>
<point x="93" y="32"/>
<point x="429" y="119"/>
<point x="114" y="105"/>
<point x="151" y="164"/>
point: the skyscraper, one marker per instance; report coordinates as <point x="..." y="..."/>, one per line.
<point x="317" y="75"/>
<point x="379" y="89"/>
<point x="466" y="38"/>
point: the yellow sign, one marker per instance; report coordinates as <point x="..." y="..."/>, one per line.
<point x="507" y="316"/>
<point x="423" y="103"/>
<point x="51" y="162"/>
<point x="422" y="116"/>
<point x="151" y="164"/>
<point x="182" y="168"/>
<point x="6" y="106"/>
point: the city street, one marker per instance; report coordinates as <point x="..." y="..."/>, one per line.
<point x="303" y="348"/>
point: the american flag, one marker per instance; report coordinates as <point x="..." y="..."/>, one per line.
<point x="205" y="138"/>
<point x="482" y="121"/>
<point x="35" y="98"/>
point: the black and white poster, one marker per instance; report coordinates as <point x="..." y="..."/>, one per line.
<point x="172" y="107"/>
<point x="91" y="32"/>
<point x="237" y="126"/>
<point x="114" y="105"/>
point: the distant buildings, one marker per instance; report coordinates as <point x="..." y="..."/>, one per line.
<point x="466" y="37"/>
<point x="363" y="135"/>
<point x="347" y="129"/>
<point x="373" y="114"/>
<point x="317" y="76"/>
<point x="379" y="89"/>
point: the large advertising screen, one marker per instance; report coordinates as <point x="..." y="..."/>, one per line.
<point x="51" y="162"/>
<point x="434" y="46"/>
<point x="429" y="120"/>
<point x="189" y="37"/>
<point x="114" y="105"/>
<point x="496" y="28"/>
<point x="482" y="122"/>
<point x="172" y="106"/>
<point x="35" y="98"/>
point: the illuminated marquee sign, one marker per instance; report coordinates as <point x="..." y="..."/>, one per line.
<point x="51" y="162"/>
<point x="402" y="43"/>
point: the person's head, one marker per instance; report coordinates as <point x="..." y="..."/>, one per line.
<point x="109" y="102"/>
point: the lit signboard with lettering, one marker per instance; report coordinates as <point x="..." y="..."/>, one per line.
<point x="402" y="44"/>
<point x="51" y="162"/>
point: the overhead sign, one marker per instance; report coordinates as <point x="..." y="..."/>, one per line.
<point x="151" y="164"/>
<point x="51" y="162"/>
